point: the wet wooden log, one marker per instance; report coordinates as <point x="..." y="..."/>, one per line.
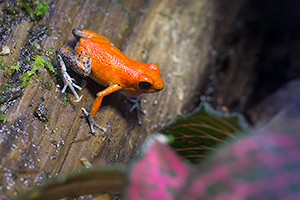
<point x="180" y="36"/>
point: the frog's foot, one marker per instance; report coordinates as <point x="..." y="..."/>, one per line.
<point x="68" y="81"/>
<point x="136" y="105"/>
<point x="92" y="122"/>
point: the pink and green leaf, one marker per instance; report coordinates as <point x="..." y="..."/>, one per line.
<point x="157" y="173"/>
<point x="264" y="164"/>
<point x="261" y="165"/>
<point x="200" y="131"/>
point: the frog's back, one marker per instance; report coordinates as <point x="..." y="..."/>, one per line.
<point x="109" y="64"/>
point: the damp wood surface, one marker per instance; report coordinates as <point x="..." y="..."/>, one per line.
<point x="180" y="36"/>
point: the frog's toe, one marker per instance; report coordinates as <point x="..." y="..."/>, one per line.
<point x="72" y="80"/>
<point x="136" y="104"/>
<point x="64" y="89"/>
<point x="92" y="123"/>
<point x="77" y="86"/>
<point x="69" y="83"/>
<point x="75" y="93"/>
<point x="79" y="99"/>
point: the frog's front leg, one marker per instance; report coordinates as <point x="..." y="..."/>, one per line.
<point x="80" y="63"/>
<point x="96" y="105"/>
<point x="136" y="105"/>
<point x="92" y="122"/>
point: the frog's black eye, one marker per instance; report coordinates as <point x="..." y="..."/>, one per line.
<point x="143" y="85"/>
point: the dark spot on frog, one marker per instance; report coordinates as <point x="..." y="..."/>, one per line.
<point x="41" y="113"/>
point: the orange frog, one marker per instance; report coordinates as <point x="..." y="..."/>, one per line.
<point x="96" y="57"/>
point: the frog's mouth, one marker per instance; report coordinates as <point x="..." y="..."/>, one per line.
<point x="160" y="86"/>
<point x="130" y="93"/>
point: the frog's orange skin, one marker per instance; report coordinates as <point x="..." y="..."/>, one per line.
<point x="107" y="65"/>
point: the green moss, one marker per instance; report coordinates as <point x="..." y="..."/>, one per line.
<point x="3" y="117"/>
<point x="40" y="60"/>
<point x="41" y="8"/>
<point x="36" y="8"/>
<point x="25" y="80"/>
<point x="2" y="66"/>
<point x="12" y="10"/>
<point x="65" y="99"/>
<point x="14" y="68"/>
<point x="19" y="74"/>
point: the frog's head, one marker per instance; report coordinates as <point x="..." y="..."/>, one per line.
<point x="146" y="79"/>
<point x="150" y="81"/>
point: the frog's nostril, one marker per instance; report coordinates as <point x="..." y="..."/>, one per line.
<point x="160" y="87"/>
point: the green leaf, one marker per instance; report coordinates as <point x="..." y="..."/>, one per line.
<point x="200" y="131"/>
<point x="93" y="180"/>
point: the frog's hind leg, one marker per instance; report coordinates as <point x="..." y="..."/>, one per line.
<point x="83" y="33"/>
<point x="80" y="63"/>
